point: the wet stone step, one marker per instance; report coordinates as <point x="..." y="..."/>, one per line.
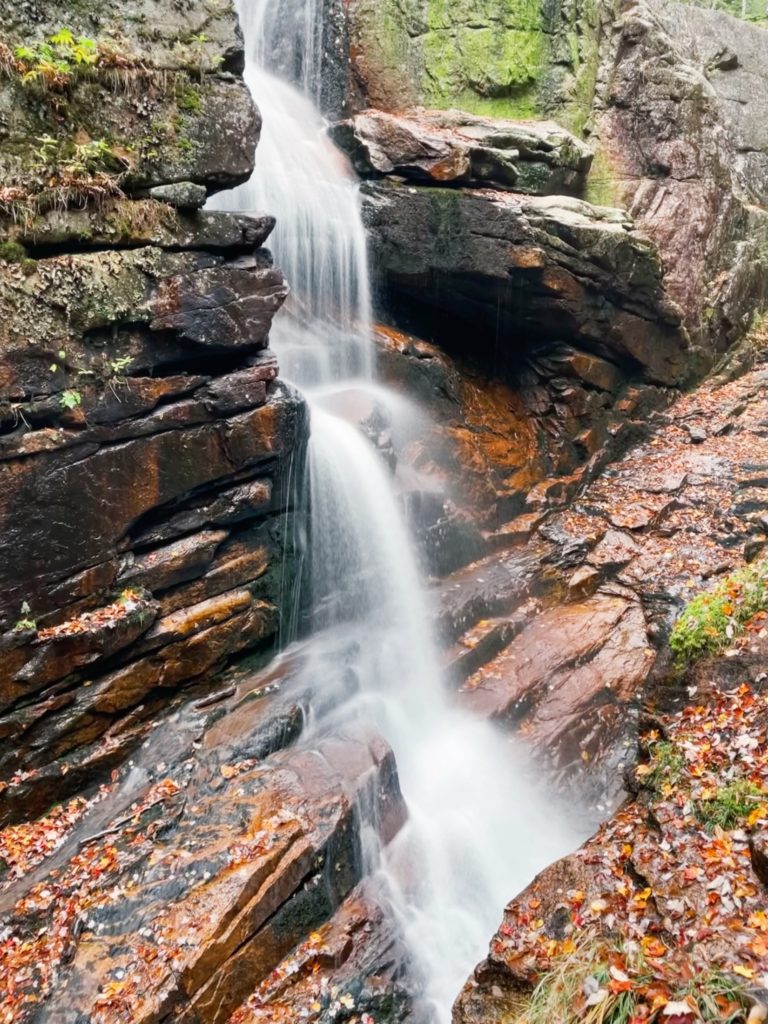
<point x="487" y="589"/>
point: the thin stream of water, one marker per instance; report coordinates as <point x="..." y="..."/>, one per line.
<point x="478" y="827"/>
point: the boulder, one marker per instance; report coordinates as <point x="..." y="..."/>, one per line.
<point x="452" y="146"/>
<point x="515" y="270"/>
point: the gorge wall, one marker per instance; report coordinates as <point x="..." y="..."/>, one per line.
<point x="556" y="262"/>
<point x="148" y="452"/>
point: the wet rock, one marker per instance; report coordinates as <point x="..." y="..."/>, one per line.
<point x="478" y="444"/>
<point x="116" y="486"/>
<point x="534" y="157"/>
<point x="596" y="284"/>
<point x="566" y="679"/>
<point x="614" y="551"/>
<point x="175" y="563"/>
<point x="59" y="650"/>
<point x="584" y="582"/>
<point x="244" y="560"/>
<point x="233" y="505"/>
<point x="237" y="861"/>
<point x="358" y="954"/>
<point x="220" y="307"/>
<point x="183" y="195"/>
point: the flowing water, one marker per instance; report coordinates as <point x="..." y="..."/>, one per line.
<point x="478" y="828"/>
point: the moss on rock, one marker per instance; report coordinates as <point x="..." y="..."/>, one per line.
<point x="519" y="59"/>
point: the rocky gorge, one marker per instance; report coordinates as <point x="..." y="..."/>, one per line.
<point x="564" y="208"/>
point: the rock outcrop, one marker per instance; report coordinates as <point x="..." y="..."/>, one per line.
<point x="680" y="127"/>
<point x="512" y="58"/>
<point x="144" y="439"/>
<point x="669" y="97"/>
<point x="453" y="147"/>
<point x="563" y="302"/>
<point x="183" y="883"/>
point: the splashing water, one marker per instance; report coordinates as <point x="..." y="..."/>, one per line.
<point x="478" y="828"/>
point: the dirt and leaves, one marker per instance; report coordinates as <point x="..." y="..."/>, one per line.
<point x="661" y="916"/>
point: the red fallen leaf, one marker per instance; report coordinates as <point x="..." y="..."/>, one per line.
<point x="620" y="986"/>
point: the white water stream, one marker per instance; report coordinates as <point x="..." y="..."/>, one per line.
<point x="478" y="828"/>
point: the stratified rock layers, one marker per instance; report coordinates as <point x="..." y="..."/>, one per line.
<point x="145" y="443"/>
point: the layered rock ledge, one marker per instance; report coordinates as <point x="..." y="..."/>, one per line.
<point x="179" y="887"/>
<point x="145" y="442"/>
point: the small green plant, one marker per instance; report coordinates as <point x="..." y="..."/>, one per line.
<point x="730" y="806"/>
<point x="584" y="986"/>
<point x="70" y="399"/>
<point x="12" y="252"/>
<point x="118" y="365"/>
<point x="712" y="620"/>
<point x="53" y="63"/>
<point x="666" y="766"/>
<point x="189" y="99"/>
<point x="26" y="622"/>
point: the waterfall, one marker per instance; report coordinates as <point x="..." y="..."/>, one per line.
<point x="319" y="240"/>
<point x="478" y="827"/>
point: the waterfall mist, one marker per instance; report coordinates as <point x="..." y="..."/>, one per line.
<point x="479" y="827"/>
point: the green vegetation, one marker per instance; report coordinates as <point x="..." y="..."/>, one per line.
<point x="666" y="766"/>
<point x="608" y="981"/>
<point x="188" y="98"/>
<point x="71" y="159"/>
<point x="26" y="622"/>
<point x="712" y="620"/>
<point x="55" y="62"/>
<point x="70" y="399"/>
<point x="12" y="252"/>
<point x="729" y="807"/>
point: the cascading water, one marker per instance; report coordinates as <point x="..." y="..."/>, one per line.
<point x="477" y="829"/>
<point x="319" y="240"/>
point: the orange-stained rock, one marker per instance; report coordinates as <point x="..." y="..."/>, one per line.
<point x="565" y="681"/>
<point x="219" y="868"/>
<point x="61" y="510"/>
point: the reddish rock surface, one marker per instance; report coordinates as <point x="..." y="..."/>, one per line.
<point x="189" y="878"/>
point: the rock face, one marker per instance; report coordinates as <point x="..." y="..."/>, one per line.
<point x="502" y="58"/>
<point x="527" y="269"/>
<point x="144" y="438"/>
<point x="669" y="96"/>
<point x="563" y="302"/>
<point x="182" y="886"/>
<point x="681" y="128"/>
<point x="161" y="87"/>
